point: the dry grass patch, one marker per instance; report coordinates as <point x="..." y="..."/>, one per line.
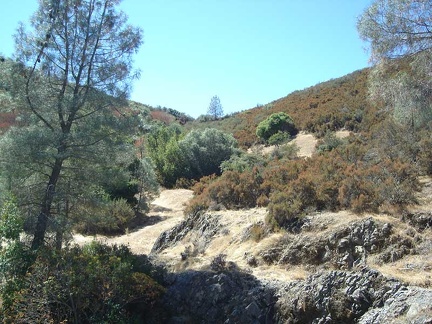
<point x="413" y="269"/>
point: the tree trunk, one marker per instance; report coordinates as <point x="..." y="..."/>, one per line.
<point x="45" y="213"/>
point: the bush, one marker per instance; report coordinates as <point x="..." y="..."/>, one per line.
<point x="274" y="124"/>
<point x="328" y="143"/>
<point x="287" y="207"/>
<point x="93" y="284"/>
<point x="199" y="153"/>
<point x="106" y="217"/>
<point x="206" y="150"/>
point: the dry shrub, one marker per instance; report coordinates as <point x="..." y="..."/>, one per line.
<point x="351" y="176"/>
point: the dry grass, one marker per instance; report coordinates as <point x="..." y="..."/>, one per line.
<point x="413" y="269"/>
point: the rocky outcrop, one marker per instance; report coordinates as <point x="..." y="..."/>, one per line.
<point x="205" y="226"/>
<point x="342" y="248"/>
<point x="326" y="297"/>
<point x="342" y="288"/>
<point x="334" y="297"/>
<point x="218" y="297"/>
<point x="421" y="220"/>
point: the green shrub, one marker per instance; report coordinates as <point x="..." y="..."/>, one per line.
<point x="92" y="284"/>
<point x="274" y="124"/>
<point x="206" y="150"/>
<point x="106" y="217"/>
<point x="279" y="138"/>
<point x="243" y="162"/>
<point x="328" y="143"/>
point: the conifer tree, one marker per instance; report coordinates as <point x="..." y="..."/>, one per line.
<point x="71" y="81"/>
<point x="215" y="108"/>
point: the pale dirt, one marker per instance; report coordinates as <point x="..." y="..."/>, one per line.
<point x="305" y="142"/>
<point x="168" y="209"/>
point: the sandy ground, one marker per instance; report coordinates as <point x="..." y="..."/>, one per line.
<point x="167" y="210"/>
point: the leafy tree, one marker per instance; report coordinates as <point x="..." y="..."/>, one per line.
<point x="73" y="75"/>
<point x="274" y="125"/>
<point x="168" y="158"/>
<point x="401" y="29"/>
<point x="206" y="150"/>
<point x="191" y="156"/>
<point x="215" y="108"/>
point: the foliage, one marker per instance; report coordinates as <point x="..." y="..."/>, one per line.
<point x="329" y="142"/>
<point x="206" y="150"/>
<point x="92" y="284"/>
<point x="104" y="216"/>
<point x="69" y="84"/>
<point x="11" y="222"/>
<point x="197" y="154"/>
<point x="279" y="138"/>
<point x="401" y="29"/>
<point x="242" y="162"/>
<point x="168" y="158"/>
<point x="287" y="151"/>
<point x="274" y="126"/>
<point x="397" y="28"/>
<point x="353" y="175"/>
<point x="215" y="108"/>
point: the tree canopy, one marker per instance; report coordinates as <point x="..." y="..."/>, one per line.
<point x="402" y="30"/>
<point x="73" y="75"/>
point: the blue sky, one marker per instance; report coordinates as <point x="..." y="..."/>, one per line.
<point x="247" y="52"/>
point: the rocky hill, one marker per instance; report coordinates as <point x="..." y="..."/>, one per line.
<point x="335" y="267"/>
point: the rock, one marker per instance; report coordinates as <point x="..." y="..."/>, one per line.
<point x="227" y="297"/>
<point x="207" y="225"/>
<point x="406" y="305"/>
<point x="420" y="220"/>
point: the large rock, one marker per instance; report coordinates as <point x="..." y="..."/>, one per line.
<point x="233" y="296"/>
<point x="343" y="248"/>
<point x="218" y="297"/>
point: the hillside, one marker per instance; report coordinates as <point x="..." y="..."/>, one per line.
<point x="370" y="251"/>
<point x="331" y="105"/>
<point x="338" y="231"/>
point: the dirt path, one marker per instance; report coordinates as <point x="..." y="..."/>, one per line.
<point x="166" y="212"/>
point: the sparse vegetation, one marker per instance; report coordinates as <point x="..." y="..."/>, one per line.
<point x="77" y="158"/>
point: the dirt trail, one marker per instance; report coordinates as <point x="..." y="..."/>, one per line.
<point x="166" y="212"/>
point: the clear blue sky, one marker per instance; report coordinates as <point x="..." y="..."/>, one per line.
<point x="247" y="52"/>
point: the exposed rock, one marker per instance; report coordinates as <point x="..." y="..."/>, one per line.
<point x="365" y="296"/>
<point x="218" y="297"/>
<point x="205" y="225"/>
<point x="334" y="297"/>
<point x="344" y="247"/>
<point x="407" y="305"/>
<point x="420" y="220"/>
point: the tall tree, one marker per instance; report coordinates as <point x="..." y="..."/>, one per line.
<point x="73" y="76"/>
<point x="215" y="108"/>
<point x="401" y="29"/>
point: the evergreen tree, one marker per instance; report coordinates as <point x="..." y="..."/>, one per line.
<point x="215" y="108"/>
<point x="72" y="78"/>
<point x="400" y="35"/>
